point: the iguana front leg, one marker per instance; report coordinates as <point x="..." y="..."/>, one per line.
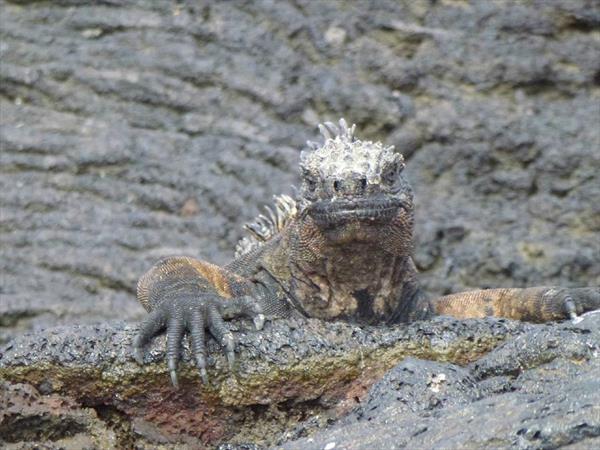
<point x="537" y="304"/>
<point x="184" y="295"/>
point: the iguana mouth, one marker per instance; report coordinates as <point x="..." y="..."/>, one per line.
<point x="339" y="211"/>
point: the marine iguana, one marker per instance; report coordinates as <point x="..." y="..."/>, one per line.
<point x="340" y="250"/>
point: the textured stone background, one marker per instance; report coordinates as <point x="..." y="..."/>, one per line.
<point x="138" y="129"/>
<point x="132" y="130"/>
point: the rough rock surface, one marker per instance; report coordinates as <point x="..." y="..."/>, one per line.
<point x="538" y="390"/>
<point x="454" y="384"/>
<point x="288" y="373"/>
<point x="133" y="130"/>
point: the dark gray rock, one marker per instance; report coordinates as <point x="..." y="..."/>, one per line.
<point x="292" y="371"/>
<point x="485" y="383"/>
<point x="415" y="385"/>
<point x="131" y="131"/>
<point x="549" y="399"/>
<point x="134" y="130"/>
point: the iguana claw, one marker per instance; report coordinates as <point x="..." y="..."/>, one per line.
<point x="192" y="315"/>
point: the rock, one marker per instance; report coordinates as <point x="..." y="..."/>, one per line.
<point x="306" y="383"/>
<point x="416" y="385"/>
<point x="293" y="370"/>
<point x="133" y="131"/>
<point x="26" y="416"/>
<point x="544" y="395"/>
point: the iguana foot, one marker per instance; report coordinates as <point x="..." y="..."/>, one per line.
<point x="192" y="315"/>
<point x="571" y="302"/>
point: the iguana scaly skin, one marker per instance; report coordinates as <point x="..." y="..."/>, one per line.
<point x="340" y="250"/>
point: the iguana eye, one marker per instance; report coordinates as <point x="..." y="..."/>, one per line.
<point x="390" y="175"/>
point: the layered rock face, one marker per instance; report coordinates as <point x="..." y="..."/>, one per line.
<point x="134" y="130"/>
<point x="453" y="384"/>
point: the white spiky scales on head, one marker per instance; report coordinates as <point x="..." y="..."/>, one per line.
<point x="340" y="155"/>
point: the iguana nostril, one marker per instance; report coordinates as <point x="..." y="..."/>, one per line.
<point x="362" y="184"/>
<point x="337" y="185"/>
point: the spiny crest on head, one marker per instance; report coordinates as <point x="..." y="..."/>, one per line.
<point x="266" y="226"/>
<point x="329" y="130"/>
<point x="342" y="147"/>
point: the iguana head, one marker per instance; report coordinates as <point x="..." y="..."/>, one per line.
<point x="351" y="191"/>
<point x="343" y="246"/>
<point x="354" y="188"/>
